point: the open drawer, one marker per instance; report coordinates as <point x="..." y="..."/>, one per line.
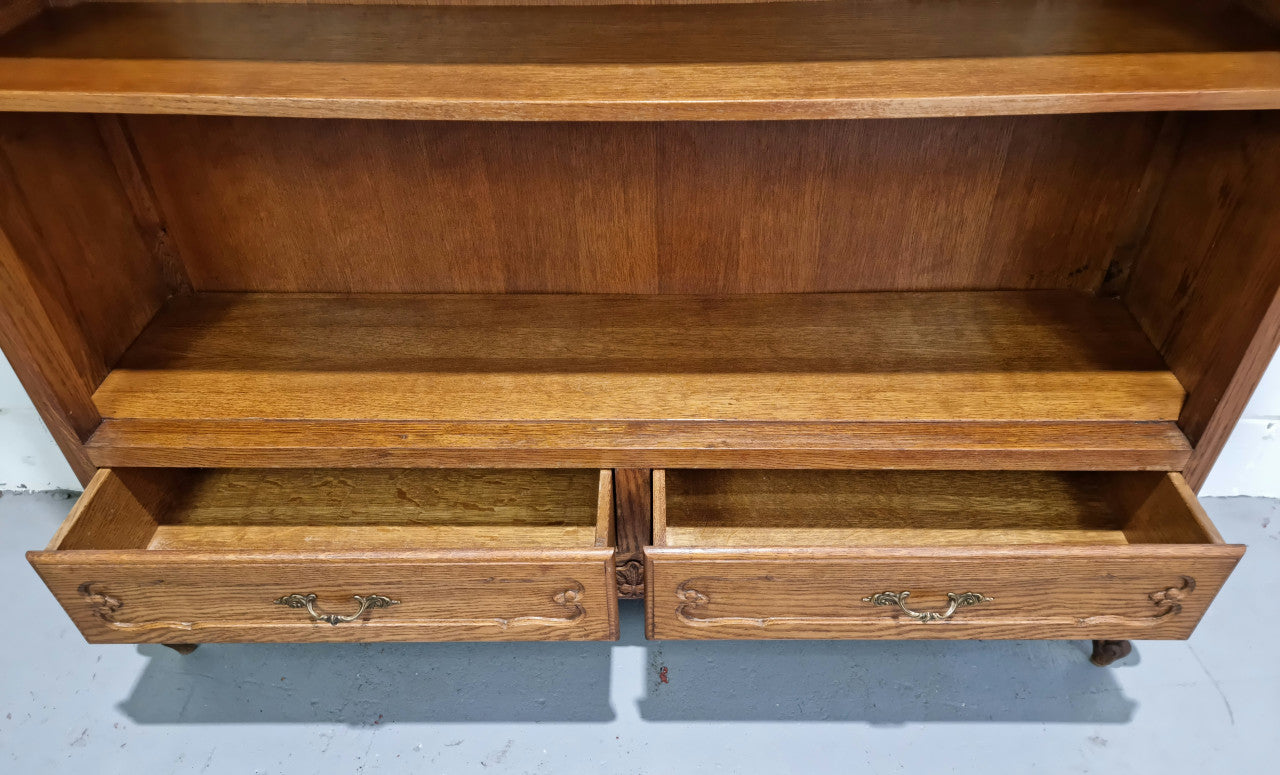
<point x="930" y="554"/>
<point x="270" y="555"/>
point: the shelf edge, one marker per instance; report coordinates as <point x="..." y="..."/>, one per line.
<point x="1156" y="446"/>
<point x="626" y="92"/>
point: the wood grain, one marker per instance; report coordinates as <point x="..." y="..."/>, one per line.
<point x="14" y="13"/>
<point x="857" y="357"/>
<point x="978" y="341"/>
<point x="1156" y="446"/>
<point x="918" y="88"/>
<point x="1050" y="591"/>
<point x="633" y="517"/>
<point x="356" y="537"/>
<point x="749" y="536"/>
<point x="791" y="554"/>
<point x="1140" y="208"/>
<point x="1267" y="9"/>
<point x="785" y="60"/>
<point x="226" y="597"/>
<point x="142" y="199"/>
<point x="633" y="509"/>
<point x="659" y="507"/>
<point x="842" y="30"/>
<point x="161" y="555"/>
<point x="1150" y="498"/>
<point x="605" y="534"/>
<point x="537" y="3"/>
<point x="77" y="282"/>
<point x="838" y="508"/>
<point x="734" y="508"/>
<point x="269" y="510"/>
<point x="48" y="353"/>
<point x="901" y="205"/>
<point x="1206" y="289"/>
<point x="82" y="237"/>
<point x="118" y="510"/>
<point x="402" y="206"/>
<point x="643" y="208"/>
<point x="587" y="380"/>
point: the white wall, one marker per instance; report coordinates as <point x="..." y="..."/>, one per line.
<point x="28" y="456"/>
<point x="1250" y="464"/>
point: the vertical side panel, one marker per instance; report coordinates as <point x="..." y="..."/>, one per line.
<point x="80" y="281"/>
<point x="46" y="348"/>
<point x="82" y="216"/>
<point x="1206" y="283"/>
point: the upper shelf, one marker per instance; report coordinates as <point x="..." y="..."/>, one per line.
<point x="951" y="380"/>
<point x="855" y="59"/>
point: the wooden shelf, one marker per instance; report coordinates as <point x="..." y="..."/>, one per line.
<point x="1041" y="379"/>
<point x="869" y="58"/>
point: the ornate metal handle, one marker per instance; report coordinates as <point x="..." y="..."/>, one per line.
<point x="309" y="602"/>
<point x="900" y="599"/>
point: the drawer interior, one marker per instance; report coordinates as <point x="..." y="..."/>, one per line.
<point x="746" y="508"/>
<point x="340" y="510"/>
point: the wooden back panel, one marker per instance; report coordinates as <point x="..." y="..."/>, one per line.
<point x="711" y="208"/>
<point x="1185" y="229"/>
<point x="445" y="2"/>
<point x="727" y="32"/>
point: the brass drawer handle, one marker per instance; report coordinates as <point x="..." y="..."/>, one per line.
<point x="309" y="602"/>
<point x="900" y="599"/>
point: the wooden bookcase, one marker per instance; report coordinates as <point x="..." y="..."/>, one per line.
<point x="486" y="314"/>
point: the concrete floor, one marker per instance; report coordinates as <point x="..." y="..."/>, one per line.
<point x="1210" y="705"/>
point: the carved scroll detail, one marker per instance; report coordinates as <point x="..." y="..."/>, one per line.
<point x="1171" y="599"/>
<point x="1167" y="602"/>
<point x="104" y="606"/>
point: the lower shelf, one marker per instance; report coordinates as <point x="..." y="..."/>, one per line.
<point x="1042" y="380"/>
<point x="932" y="555"/>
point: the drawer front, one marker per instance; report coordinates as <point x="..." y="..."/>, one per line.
<point x="1149" y="592"/>
<point x="135" y="597"/>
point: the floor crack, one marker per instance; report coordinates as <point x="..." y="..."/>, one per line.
<point x="1230" y="713"/>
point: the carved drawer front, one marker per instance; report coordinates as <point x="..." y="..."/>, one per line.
<point x="808" y="554"/>
<point x="169" y="556"/>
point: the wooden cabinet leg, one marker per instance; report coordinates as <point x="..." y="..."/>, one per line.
<point x="1107" y="651"/>
<point x="183" y="648"/>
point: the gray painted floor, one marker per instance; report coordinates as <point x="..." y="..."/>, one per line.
<point x="1210" y="705"/>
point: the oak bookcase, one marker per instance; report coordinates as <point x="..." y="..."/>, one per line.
<point x="409" y="320"/>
